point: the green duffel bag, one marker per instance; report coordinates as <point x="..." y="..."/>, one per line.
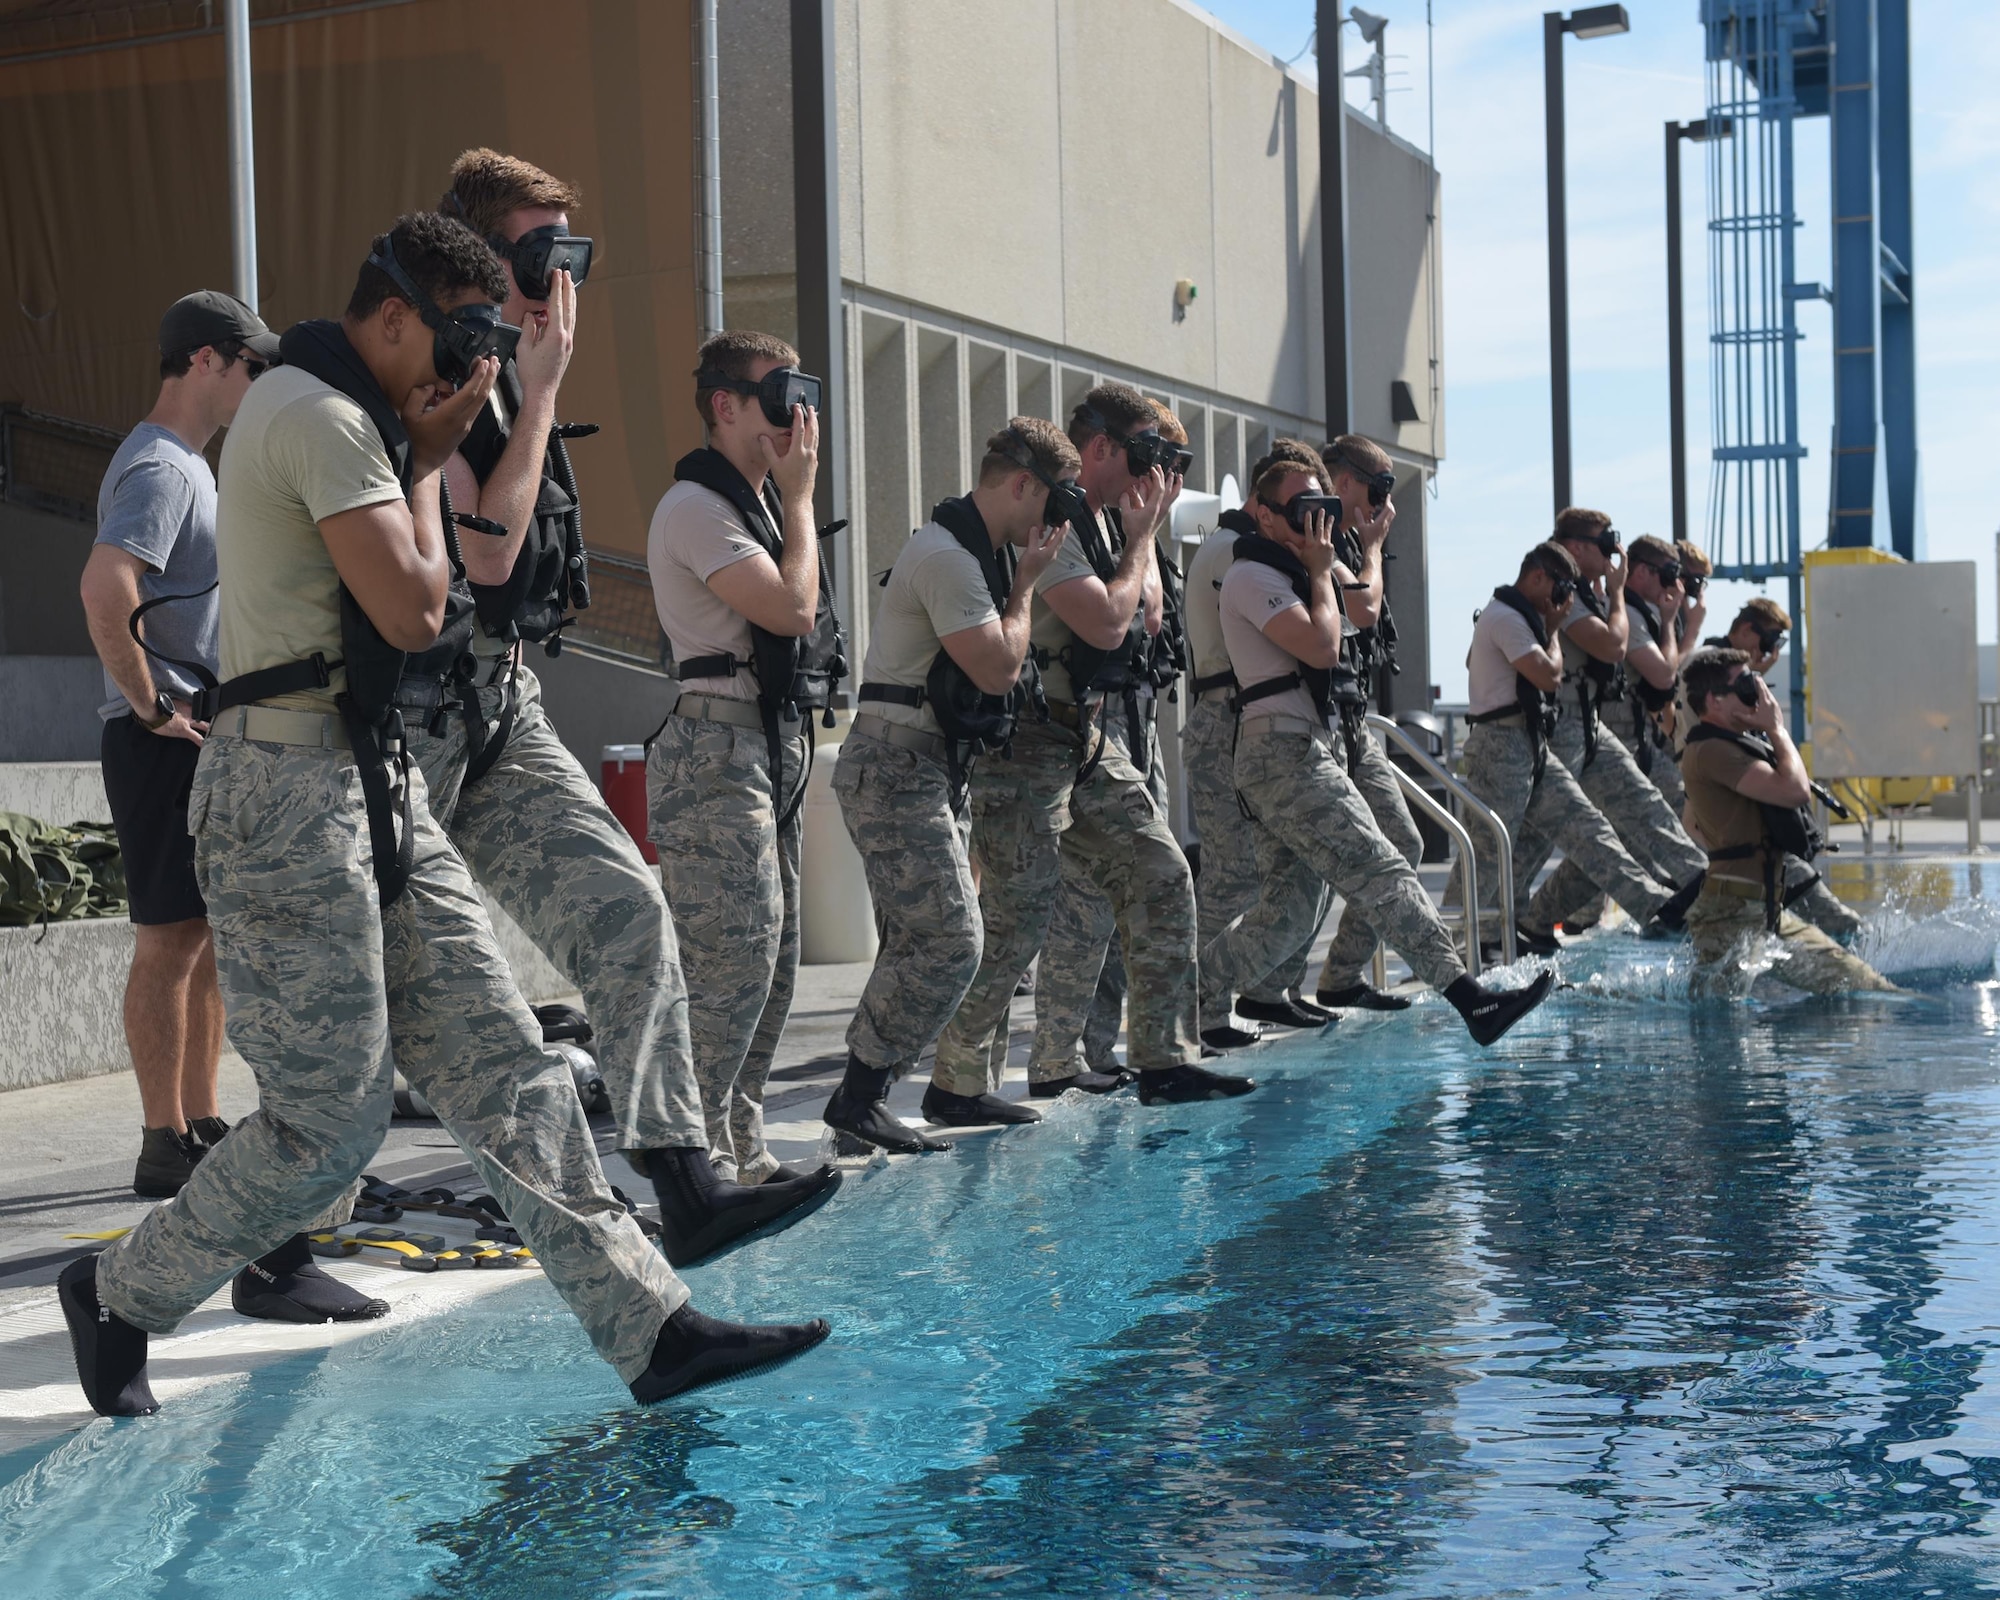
<point x="50" y="873"/>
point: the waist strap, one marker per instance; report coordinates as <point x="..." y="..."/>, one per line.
<point x="272" y="725"/>
<point x="1506" y="716"/>
<point x="1281" y="722"/>
<point x="927" y="744"/>
<point x="1215" y="680"/>
<point x="895" y="694"/>
<point x="714" y="708"/>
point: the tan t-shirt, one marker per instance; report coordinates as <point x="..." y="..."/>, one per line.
<point x="1047" y="631"/>
<point x="935" y="588"/>
<point x="1252" y="595"/>
<point x="298" y="452"/>
<point x="1201" y="603"/>
<point x="694" y="535"/>
<point x="1717" y="817"/>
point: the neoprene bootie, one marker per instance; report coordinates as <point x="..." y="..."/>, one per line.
<point x="110" y="1352"/>
<point x="1182" y="1085"/>
<point x="973" y="1110"/>
<point x="1672" y="917"/>
<point x="1536" y="943"/>
<point x="1225" y="1035"/>
<point x="287" y="1285"/>
<point x="1089" y="1082"/>
<point x="701" y="1212"/>
<point x="1285" y="1013"/>
<point x="1489" y="1013"/>
<point x="167" y="1159"/>
<point x="694" y="1351"/>
<point x="860" y="1106"/>
<point x="1362" y="997"/>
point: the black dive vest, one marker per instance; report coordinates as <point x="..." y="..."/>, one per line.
<point x="1115" y="672"/>
<point x="1788" y="831"/>
<point x="1332" y="688"/>
<point x="1596" y="681"/>
<point x="973" y="721"/>
<point x="1538" y="708"/>
<point x="1239" y="522"/>
<point x="795" y="676"/>
<point x="1647" y="702"/>
<point x="1366" y="649"/>
<point x="373" y="666"/>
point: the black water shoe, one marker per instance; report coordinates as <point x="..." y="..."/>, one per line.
<point x="1536" y="944"/>
<point x="973" y="1110"/>
<point x="860" y="1106"/>
<point x="1089" y="1082"/>
<point x="1489" y="1013"/>
<point x="701" y="1212"/>
<point x="1179" y="1085"/>
<point x="694" y="1351"/>
<point x="1671" y="919"/>
<point x="288" y="1286"/>
<point x="1362" y="997"/>
<point x="1286" y="1013"/>
<point x="167" y="1160"/>
<point x="110" y="1352"/>
<point x="1227" y="1036"/>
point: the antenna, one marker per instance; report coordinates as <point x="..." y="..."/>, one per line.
<point x="1375" y="69"/>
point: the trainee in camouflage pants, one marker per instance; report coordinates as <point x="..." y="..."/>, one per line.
<point x="1312" y="826"/>
<point x="540" y="839"/>
<point x="327" y="995"/>
<point x="1499" y="768"/>
<point x="897" y="806"/>
<point x="1625" y="797"/>
<point x="732" y="877"/>
<point x="1726" y="920"/>
<point x="1226" y="887"/>
<point x="1354" y="943"/>
<point x="1027" y="814"/>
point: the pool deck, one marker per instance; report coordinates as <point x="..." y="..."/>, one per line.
<point x="74" y="1144"/>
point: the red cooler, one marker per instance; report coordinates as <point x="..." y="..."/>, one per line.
<point x="625" y="792"/>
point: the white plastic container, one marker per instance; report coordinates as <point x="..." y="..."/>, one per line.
<point x="836" y="914"/>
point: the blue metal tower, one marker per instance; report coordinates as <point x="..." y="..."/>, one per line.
<point x="1771" y="62"/>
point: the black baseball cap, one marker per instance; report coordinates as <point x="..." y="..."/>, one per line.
<point x="210" y="317"/>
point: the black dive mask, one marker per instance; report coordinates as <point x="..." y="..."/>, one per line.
<point x="1178" y="459"/>
<point x="1304" y="504"/>
<point x="777" y="391"/>
<point x="1380" y="484"/>
<point x="1691" y="582"/>
<point x="460" y="339"/>
<point x="1668" y="572"/>
<point x="1745" y="688"/>
<point x="1561" y="590"/>
<point x="539" y="254"/>
<point x="1769" y="642"/>
<point x="1607" y="542"/>
<point x="1143" y="451"/>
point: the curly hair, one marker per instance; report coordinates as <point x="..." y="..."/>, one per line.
<point x="440" y="255"/>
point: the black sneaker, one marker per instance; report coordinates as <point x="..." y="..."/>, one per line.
<point x="1362" y="997"/>
<point x="167" y="1160"/>
<point x="211" y="1131"/>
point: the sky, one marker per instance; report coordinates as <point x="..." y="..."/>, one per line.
<point x="1492" y="493"/>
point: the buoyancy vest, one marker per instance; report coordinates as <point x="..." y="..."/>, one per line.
<point x="1788" y="831"/>
<point x="1596" y="681"/>
<point x="1538" y="709"/>
<point x="1331" y="688"/>
<point x="1646" y="701"/>
<point x="1239" y="522"/>
<point x="795" y="675"/>
<point x="971" y="721"/>
<point x="1370" y="648"/>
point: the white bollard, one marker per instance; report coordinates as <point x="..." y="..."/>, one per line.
<point x="836" y="914"/>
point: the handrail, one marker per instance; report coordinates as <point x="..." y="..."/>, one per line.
<point x="1468" y="860"/>
<point x="1504" y="852"/>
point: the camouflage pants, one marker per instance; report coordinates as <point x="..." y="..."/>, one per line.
<point x="1227" y="885"/>
<point x="1499" y="768"/>
<point x="897" y="806"/>
<point x="327" y="994"/>
<point x="1312" y="827"/>
<point x="732" y="877"/>
<point x="1646" y="825"/>
<point x="1354" y="943"/>
<point x="541" y="841"/>
<point x="1027" y="814"/>
<point x="1723" y="923"/>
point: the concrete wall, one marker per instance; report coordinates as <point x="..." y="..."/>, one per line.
<point x="51" y="711"/>
<point x="41" y="560"/>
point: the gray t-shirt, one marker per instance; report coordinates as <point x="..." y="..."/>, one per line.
<point x="157" y="502"/>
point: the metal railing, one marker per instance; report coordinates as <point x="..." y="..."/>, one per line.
<point x="1440" y="814"/>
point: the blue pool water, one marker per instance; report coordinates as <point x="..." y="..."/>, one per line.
<point x="1650" y="1301"/>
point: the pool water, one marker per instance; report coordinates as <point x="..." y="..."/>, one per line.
<point x="1651" y="1300"/>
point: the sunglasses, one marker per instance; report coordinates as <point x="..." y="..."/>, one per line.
<point x="255" y="366"/>
<point x="777" y="392"/>
<point x="1303" y="505"/>
<point x="539" y="254"/>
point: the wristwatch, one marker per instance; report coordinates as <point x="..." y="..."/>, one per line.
<point x="163" y="708"/>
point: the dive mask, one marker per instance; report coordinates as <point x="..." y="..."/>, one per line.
<point x="461" y="338"/>
<point x="1745" y="688"/>
<point x="1303" y="505"/>
<point x="1380" y="484"/>
<point x="539" y="254"/>
<point x="1561" y="590"/>
<point x="777" y="391"/>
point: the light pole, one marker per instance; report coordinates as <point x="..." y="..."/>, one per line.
<point x="1589" y="22"/>
<point x="1694" y="133"/>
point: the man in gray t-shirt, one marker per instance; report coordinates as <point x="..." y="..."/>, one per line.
<point x="156" y="537"/>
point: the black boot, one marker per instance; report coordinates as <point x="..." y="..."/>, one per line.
<point x="1286" y="1013"/>
<point x="700" y="1212"/>
<point x="1362" y="997"/>
<point x="694" y="1351"/>
<point x="1671" y="918"/>
<point x="1089" y="1082"/>
<point x="167" y="1160"/>
<point x="209" y="1130"/>
<point x="1177" y="1085"/>
<point x="110" y="1352"/>
<point x="288" y="1286"/>
<point x="860" y="1106"/>
<point x="1489" y="1013"/>
<point x="973" y="1110"/>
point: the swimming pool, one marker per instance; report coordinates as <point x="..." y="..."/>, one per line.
<point x="1649" y="1301"/>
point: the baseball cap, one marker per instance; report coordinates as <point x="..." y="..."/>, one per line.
<point x="211" y="317"/>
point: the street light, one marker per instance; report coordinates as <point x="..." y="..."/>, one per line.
<point x="1590" y="22"/>
<point x="1694" y="133"/>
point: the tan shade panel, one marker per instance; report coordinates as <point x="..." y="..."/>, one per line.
<point x="115" y="190"/>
